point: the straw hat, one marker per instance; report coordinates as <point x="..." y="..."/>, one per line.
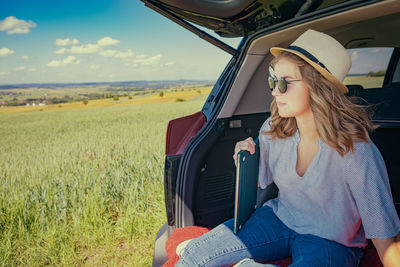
<point x="322" y="52"/>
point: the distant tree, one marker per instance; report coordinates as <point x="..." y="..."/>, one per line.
<point x="199" y="91"/>
<point x="180" y="100"/>
<point x="85" y="102"/>
<point x="130" y="97"/>
<point x="380" y="73"/>
<point x="161" y="94"/>
<point x="115" y="98"/>
<point x="377" y="73"/>
<point x="60" y="106"/>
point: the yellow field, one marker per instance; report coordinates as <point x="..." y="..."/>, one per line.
<point x="169" y="96"/>
<point x="365" y="81"/>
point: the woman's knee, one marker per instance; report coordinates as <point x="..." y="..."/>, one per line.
<point x="204" y="248"/>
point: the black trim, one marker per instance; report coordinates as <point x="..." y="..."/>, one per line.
<point x="391" y="68"/>
<point x="170" y="174"/>
<point x="308" y="55"/>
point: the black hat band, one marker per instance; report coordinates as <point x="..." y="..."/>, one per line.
<point x="308" y="55"/>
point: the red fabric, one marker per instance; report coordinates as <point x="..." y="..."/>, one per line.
<point x="178" y="236"/>
<point x="370" y="259"/>
<point x="180" y="131"/>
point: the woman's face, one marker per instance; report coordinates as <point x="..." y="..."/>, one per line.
<point x="295" y="102"/>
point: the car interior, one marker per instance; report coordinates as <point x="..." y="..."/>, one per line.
<point x="208" y="192"/>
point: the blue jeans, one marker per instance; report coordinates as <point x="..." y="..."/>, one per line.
<point x="265" y="238"/>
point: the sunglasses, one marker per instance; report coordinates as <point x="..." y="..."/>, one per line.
<point x="281" y="83"/>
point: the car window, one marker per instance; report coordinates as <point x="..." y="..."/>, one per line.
<point x="368" y="66"/>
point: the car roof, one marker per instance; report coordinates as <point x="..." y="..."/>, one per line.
<point x="244" y="18"/>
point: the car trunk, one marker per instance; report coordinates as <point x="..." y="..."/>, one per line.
<point x="201" y="178"/>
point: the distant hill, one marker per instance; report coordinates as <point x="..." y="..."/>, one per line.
<point x="357" y="74"/>
<point x="138" y="85"/>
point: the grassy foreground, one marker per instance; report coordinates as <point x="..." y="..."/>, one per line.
<point x="85" y="186"/>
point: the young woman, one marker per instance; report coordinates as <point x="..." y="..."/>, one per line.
<point x="333" y="185"/>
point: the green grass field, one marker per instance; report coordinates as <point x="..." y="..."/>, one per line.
<point x="84" y="187"/>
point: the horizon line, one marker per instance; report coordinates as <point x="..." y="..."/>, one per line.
<point x="103" y="82"/>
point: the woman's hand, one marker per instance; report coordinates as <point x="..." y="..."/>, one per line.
<point x="247" y="144"/>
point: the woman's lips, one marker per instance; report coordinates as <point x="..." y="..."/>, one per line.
<point x="280" y="104"/>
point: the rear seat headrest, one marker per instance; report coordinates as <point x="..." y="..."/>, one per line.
<point x="353" y="88"/>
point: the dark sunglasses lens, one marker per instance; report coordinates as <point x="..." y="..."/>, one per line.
<point x="282" y="86"/>
<point x="271" y="83"/>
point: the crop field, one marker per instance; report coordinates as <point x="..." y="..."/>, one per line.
<point x="171" y="95"/>
<point x="364" y="81"/>
<point x="83" y="185"/>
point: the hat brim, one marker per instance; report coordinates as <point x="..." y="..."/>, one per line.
<point x="275" y="51"/>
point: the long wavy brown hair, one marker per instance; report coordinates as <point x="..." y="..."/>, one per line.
<point x="338" y="119"/>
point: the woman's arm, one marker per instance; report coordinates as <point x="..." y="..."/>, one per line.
<point x="388" y="250"/>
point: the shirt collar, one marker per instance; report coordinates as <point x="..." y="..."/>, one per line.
<point x="296" y="139"/>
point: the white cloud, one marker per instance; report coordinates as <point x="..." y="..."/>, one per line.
<point x="67" y="41"/>
<point x="149" y="61"/>
<point x="25" y="57"/>
<point x="16" y="26"/>
<point x="108" y="53"/>
<point x="141" y="56"/>
<point x="170" y="63"/>
<point x="32" y="69"/>
<point x="5" y="52"/>
<point x="354" y="55"/>
<point x="127" y="54"/>
<point x="66" y="61"/>
<point x="85" y="49"/>
<point x="107" y="41"/>
<point x="2" y="73"/>
<point x="117" y="54"/>
<point x="61" y="51"/>
<point x="94" y="67"/>
<point x="20" y="68"/>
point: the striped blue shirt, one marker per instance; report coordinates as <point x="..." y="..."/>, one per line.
<point x="344" y="199"/>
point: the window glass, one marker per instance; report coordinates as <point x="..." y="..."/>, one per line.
<point x="368" y="66"/>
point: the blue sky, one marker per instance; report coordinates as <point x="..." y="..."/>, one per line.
<point x="121" y="40"/>
<point x="137" y="44"/>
